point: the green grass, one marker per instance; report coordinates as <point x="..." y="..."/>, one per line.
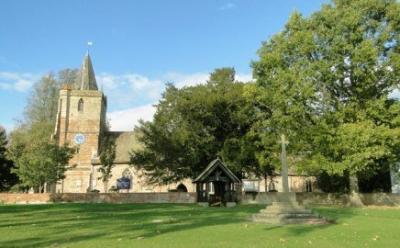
<point x="172" y="225"/>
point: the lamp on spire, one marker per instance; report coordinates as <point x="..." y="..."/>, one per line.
<point x="89" y="44"/>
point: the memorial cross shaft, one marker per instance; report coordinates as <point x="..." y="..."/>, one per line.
<point x="285" y="181"/>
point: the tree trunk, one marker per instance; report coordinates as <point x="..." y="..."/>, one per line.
<point x="40" y="189"/>
<point x="105" y="183"/>
<point x="353" y="184"/>
<point x="355" y="199"/>
<point x="266" y="181"/>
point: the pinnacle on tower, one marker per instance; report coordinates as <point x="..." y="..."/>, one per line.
<point x="87" y="77"/>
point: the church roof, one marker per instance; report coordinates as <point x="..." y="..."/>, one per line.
<point x="125" y="142"/>
<point x="87" y="79"/>
<point x="216" y="163"/>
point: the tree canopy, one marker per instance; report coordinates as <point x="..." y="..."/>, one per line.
<point x="38" y="159"/>
<point x="194" y="125"/>
<point x="7" y="178"/>
<point x="107" y="157"/>
<point x="325" y="81"/>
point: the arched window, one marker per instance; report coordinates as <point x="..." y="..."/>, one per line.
<point x="80" y="105"/>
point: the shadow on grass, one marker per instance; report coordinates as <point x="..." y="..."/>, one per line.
<point x="49" y="241"/>
<point x="334" y="215"/>
<point x="66" y="224"/>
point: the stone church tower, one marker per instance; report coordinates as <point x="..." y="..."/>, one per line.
<point x="81" y="123"/>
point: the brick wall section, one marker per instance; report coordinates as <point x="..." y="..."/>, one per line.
<point x="170" y="197"/>
<point x="24" y="198"/>
<point x="377" y="199"/>
<point x="305" y="198"/>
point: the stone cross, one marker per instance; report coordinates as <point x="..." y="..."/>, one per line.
<point x="284" y="173"/>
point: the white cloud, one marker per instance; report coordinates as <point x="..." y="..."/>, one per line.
<point x="130" y="93"/>
<point x="244" y="77"/>
<point x="130" y="87"/>
<point x="16" y="81"/>
<point x="125" y="120"/>
<point x="227" y="6"/>
<point x="180" y="80"/>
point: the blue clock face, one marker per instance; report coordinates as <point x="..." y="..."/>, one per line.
<point x="79" y="139"/>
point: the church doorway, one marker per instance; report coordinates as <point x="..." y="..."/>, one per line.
<point x="181" y="188"/>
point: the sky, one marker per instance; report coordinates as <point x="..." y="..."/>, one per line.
<point x="138" y="46"/>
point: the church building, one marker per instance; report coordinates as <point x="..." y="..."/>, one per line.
<point x="81" y="123"/>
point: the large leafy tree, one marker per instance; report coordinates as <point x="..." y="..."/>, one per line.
<point x="7" y="178"/>
<point x="194" y="125"/>
<point x="38" y="161"/>
<point x="325" y="82"/>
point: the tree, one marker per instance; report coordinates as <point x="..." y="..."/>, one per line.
<point x="325" y="82"/>
<point x="38" y="161"/>
<point x="43" y="101"/>
<point x="68" y="77"/>
<point x="194" y="125"/>
<point x="107" y="157"/>
<point x="7" y="178"/>
<point x="37" y="158"/>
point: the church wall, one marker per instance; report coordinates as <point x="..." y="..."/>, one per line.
<point x="86" y="121"/>
<point x="75" y="181"/>
<point x="138" y="183"/>
<point x="296" y="183"/>
<point x="78" y="181"/>
<point x="72" y="121"/>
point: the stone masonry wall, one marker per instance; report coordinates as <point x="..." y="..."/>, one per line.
<point x="87" y="121"/>
<point x="17" y="198"/>
<point x="375" y="199"/>
<point x="171" y="197"/>
<point x="313" y="198"/>
<point x="138" y="181"/>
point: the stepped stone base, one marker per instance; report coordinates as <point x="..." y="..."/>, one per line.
<point x="288" y="212"/>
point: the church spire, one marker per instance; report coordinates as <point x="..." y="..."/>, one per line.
<point x="87" y="77"/>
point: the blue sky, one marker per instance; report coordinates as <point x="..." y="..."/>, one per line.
<point x="138" y="46"/>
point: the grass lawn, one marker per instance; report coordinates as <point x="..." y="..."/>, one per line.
<point x="174" y="225"/>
